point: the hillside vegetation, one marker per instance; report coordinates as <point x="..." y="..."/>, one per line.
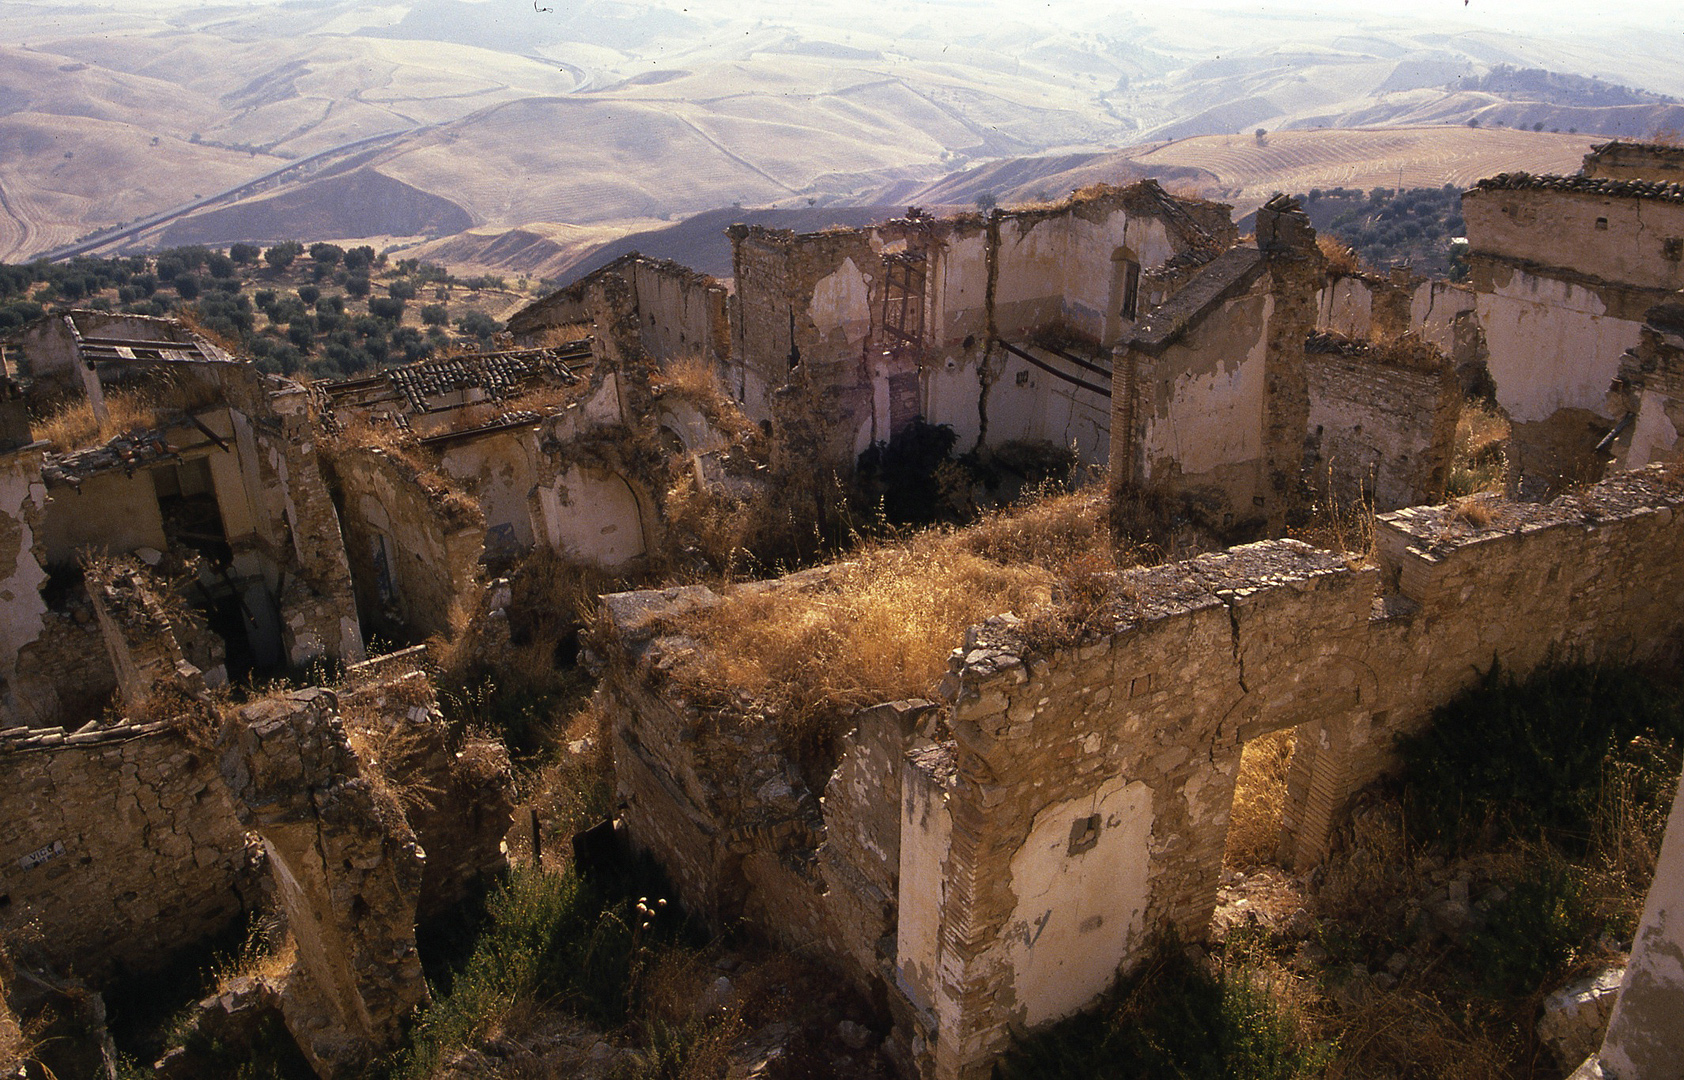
<point x="1387" y="227"/>
<point x="323" y="310"/>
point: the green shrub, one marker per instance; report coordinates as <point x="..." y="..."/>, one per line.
<point x="1175" y="1018"/>
<point x="1528" y="758"/>
<point x="1533" y="934"/>
<point x="553" y="938"/>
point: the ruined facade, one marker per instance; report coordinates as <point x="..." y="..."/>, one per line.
<point x="1121" y="322"/>
<point x="225" y="478"/>
<point x="1059" y="807"/>
<point x="1557" y="317"/>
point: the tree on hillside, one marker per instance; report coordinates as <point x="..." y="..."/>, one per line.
<point x="280" y="256"/>
<point x="327" y="254"/>
<point x="243" y="254"/>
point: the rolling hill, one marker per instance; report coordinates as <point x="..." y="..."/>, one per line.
<point x="424" y="119"/>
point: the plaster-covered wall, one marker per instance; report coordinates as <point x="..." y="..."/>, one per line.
<point x="1614" y="239"/>
<point x="1080" y="880"/>
<point x="1554" y="344"/>
<point x="110" y="512"/>
<point x="680" y="312"/>
<point x="1202" y="405"/>
<point x="1645" y="1037"/>
<point x="414" y="563"/>
<point x="593" y="516"/>
<point x="500" y="471"/>
<point x="21" y="572"/>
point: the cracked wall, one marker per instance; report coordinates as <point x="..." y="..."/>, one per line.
<point x="1213" y="652"/>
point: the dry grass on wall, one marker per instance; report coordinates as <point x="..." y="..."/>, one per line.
<point x="1341" y="257"/>
<point x="1480" y="460"/>
<point x="695" y="380"/>
<point x="73" y="426"/>
<point x="357" y="432"/>
<point x="881" y="625"/>
<point x="1259" y="796"/>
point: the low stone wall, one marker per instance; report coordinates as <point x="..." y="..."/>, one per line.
<point x="119" y="845"/>
<point x="1140" y="731"/>
<point x="1063" y="807"/>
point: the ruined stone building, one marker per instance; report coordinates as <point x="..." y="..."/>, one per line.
<point x="982" y="862"/>
<point x="985" y="861"/>
<point x="196" y="544"/>
<point x="219" y="487"/>
<point x="1007" y="328"/>
<point x="1565" y="270"/>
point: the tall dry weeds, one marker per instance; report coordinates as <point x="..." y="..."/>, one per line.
<point x="1341" y="257"/>
<point x="72" y="425"/>
<point x="1480" y="459"/>
<point x="881" y="625"/>
<point x="1259" y="796"/>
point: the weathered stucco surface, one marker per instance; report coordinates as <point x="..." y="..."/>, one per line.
<point x="1080" y="880"/>
<point x="1645" y="1039"/>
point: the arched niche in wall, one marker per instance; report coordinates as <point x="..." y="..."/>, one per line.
<point x="593" y="515"/>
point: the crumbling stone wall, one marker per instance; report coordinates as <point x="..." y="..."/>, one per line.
<point x="1207" y="655"/>
<point x="140" y="637"/>
<point x="675" y="311"/>
<point x="65" y="675"/>
<point x="415" y="553"/>
<point x="1619" y="160"/>
<point x="22" y="573"/>
<point x="1065" y="805"/>
<point x="347" y="871"/>
<point x="455" y="793"/>
<point x="733" y="814"/>
<point x="1382" y="422"/>
<point x="1650" y="390"/>
<point x="1209" y="395"/>
<point x="118" y="845"/>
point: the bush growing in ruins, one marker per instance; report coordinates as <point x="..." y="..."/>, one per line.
<point x="1531" y="758"/>
<point x="1179" y="1016"/>
<point x="548" y="937"/>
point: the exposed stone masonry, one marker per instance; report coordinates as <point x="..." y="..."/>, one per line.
<point x="348" y="873"/>
<point x="1002" y="920"/>
<point x="118" y="845"/>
